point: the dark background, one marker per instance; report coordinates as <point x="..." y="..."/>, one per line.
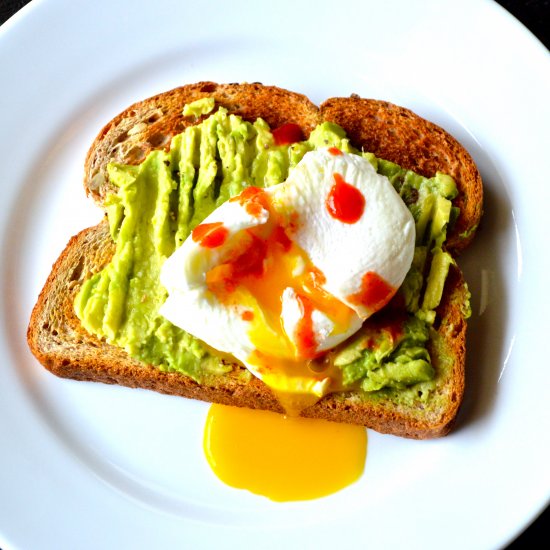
<point x="535" y="15"/>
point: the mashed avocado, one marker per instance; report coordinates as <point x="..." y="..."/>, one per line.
<point x="160" y="201"/>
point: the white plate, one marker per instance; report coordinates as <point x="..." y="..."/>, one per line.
<point x="93" y="466"/>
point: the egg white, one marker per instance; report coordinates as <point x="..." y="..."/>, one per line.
<point x="381" y="241"/>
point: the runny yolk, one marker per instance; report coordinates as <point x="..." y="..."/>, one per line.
<point x="210" y="235"/>
<point x="345" y="202"/>
<point x="264" y="263"/>
<point x="283" y="458"/>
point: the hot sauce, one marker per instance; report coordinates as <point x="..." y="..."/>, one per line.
<point x="210" y="235"/>
<point x="345" y="202"/>
<point x="375" y="292"/>
<point x="287" y="134"/>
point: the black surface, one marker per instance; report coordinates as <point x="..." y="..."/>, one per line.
<point x="535" y="15"/>
<point x="9" y="7"/>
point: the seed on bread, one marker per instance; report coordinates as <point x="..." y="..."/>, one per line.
<point x="59" y="342"/>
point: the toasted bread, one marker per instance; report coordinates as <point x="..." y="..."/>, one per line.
<point x="62" y="345"/>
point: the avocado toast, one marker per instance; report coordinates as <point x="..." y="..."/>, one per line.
<point x="418" y="407"/>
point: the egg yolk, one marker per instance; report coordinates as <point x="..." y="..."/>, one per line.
<point x="263" y="265"/>
<point x="281" y="457"/>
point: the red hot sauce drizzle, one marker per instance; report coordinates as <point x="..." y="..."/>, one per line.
<point x="335" y="151"/>
<point x="390" y="319"/>
<point x="210" y="235"/>
<point x="253" y="199"/>
<point x="225" y="278"/>
<point x="256" y="265"/>
<point x="304" y="333"/>
<point x="247" y="315"/>
<point x="375" y="292"/>
<point x="287" y="134"/>
<point x="345" y="202"/>
<point x="281" y="238"/>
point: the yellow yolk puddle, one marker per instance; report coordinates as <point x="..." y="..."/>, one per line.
<point x="283" y="458"/>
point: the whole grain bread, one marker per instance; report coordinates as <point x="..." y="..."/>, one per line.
<point x="152" y="123"/>
<point x="389" y="131"/>
<point x="62" y="345"/>
<point x="397" y="134"/>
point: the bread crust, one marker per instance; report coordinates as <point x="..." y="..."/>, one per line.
<point x="60" y="343"/>
<point x="152" y="123"/>
<point x="389" y="131"/>
<point x="399" y="135"/>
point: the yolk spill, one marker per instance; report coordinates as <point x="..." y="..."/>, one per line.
<point x="266" y="263"/>
<point x="283" y="458"/>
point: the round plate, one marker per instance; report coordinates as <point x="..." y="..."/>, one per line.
<point x="93" y="466"/>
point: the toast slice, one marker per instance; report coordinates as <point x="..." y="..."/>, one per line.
<point x="60" y="343"/>
<point x="390" y="132"/>
<point x="152" y="123"/>
<point x="397" y="134"/>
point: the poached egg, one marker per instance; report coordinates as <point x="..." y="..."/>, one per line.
<point x="278" y="276"/>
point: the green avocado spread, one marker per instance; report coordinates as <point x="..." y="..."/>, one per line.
<point x="161" y="200"/>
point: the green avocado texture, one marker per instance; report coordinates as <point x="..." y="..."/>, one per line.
<point x="160" y="201"/>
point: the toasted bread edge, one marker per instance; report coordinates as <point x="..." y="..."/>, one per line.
<point x="78" y="355"/>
